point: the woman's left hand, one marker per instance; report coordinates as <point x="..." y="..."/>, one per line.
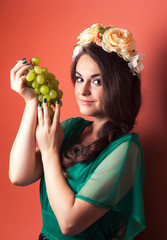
<point x="49" y="135"/>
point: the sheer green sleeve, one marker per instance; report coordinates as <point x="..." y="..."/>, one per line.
<point x="117" y="183"/>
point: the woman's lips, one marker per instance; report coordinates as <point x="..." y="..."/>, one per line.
<point x="86" y="102"/>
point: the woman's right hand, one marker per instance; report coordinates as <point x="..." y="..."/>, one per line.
<point x="18" y="81"/>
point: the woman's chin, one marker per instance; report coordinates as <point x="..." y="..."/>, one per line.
<point x="86" y="112"/>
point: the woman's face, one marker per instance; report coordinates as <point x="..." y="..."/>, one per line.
<point x="88" y="87"/>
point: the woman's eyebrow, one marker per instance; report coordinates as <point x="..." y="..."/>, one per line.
<point x="94" y="75"/>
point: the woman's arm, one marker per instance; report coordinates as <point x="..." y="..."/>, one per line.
<point x="74" y="215"/>
<point x="25" y="162"/>
<point x="25" y="165"/>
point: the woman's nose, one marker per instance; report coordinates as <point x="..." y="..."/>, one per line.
<point x="85" y="90"/>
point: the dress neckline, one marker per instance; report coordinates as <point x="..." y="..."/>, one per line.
<point x="133" y="135"/>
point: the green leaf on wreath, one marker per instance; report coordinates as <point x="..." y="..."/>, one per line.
<point x="101" y="30"/>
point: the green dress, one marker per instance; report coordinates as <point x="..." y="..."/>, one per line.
<point x="114" y="180"/>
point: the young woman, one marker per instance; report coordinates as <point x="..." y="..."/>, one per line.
<point x="91" y="172"/>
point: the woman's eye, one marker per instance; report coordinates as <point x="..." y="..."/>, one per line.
<point x="97" y="82"/>
<point x="78" y="79"/>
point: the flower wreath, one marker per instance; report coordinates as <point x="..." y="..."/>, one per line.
<point x="112" y="39"/>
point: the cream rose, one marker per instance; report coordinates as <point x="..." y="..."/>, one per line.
<point x="126" y="55"/>
<point x="88" y="35"/>
<point x="119" y="40"/>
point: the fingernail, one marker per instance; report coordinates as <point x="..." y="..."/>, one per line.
<point x="44" y="100"/>
<point x="28" y="64"/>
<point x="23" y="59"/>
<point x="57" y="101"/>
<point x="24" y="62"/>
<point x="39" y="104"/>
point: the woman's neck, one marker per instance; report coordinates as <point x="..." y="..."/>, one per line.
<point x="89" y="134"/>
<point x="96" y="125"/>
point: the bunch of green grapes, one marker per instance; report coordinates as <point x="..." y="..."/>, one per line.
<point x="44" y="84"/>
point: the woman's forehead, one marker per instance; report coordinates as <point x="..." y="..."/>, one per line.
<point x="87" y="64"/>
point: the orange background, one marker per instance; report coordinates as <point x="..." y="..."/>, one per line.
<point x="48" y="29"/>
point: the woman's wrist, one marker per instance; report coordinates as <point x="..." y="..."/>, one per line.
<point x="50" y="154"/>
<point x="32" y="101"/>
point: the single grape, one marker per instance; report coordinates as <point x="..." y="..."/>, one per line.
<point x="60" y="102"/>
<point x="45" y="77"/>
<point x="37" y="90"/>
<point x="51" y="112"/>
<point x="40" y="98"/>
<point x="44" y="89"/>
<point x="47" y="97"/>
<point x="40" y="79"/>
<point x="35" y="84"/>
<point x="29" y="84"/>
<point x="53" y="94"/>
<point x="55" y="83"/>
<point x="37" y="69"/>
<point x="30" y="76"/>
<point x="59" y="94"/>
<point x="45" y="69"/>
<point x="50" y="76"/>
<point x="35" y="60"/>
<point x="50" y="86"/>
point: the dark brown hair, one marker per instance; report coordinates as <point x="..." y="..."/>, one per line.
<point x="122" y="101"/>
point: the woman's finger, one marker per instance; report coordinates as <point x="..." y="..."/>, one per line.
<point x="47" y="120"/>
<point x="56" y="115"/>
<point x="18" y="65"/>
<point x="21" y="71"/>
<point x="16" y="73"/>
<point x="40" y="115"/>
<point x="22" y="81"/>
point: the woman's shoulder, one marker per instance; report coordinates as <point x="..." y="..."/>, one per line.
<point x="73" y="122"/>
<point x="130" y="137"/>
<point x="130" y="141"/>
<point x="133" y="139"/>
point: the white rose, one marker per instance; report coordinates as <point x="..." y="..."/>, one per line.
<point x="76" y="51"/>
<point x="135" y="63"/>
